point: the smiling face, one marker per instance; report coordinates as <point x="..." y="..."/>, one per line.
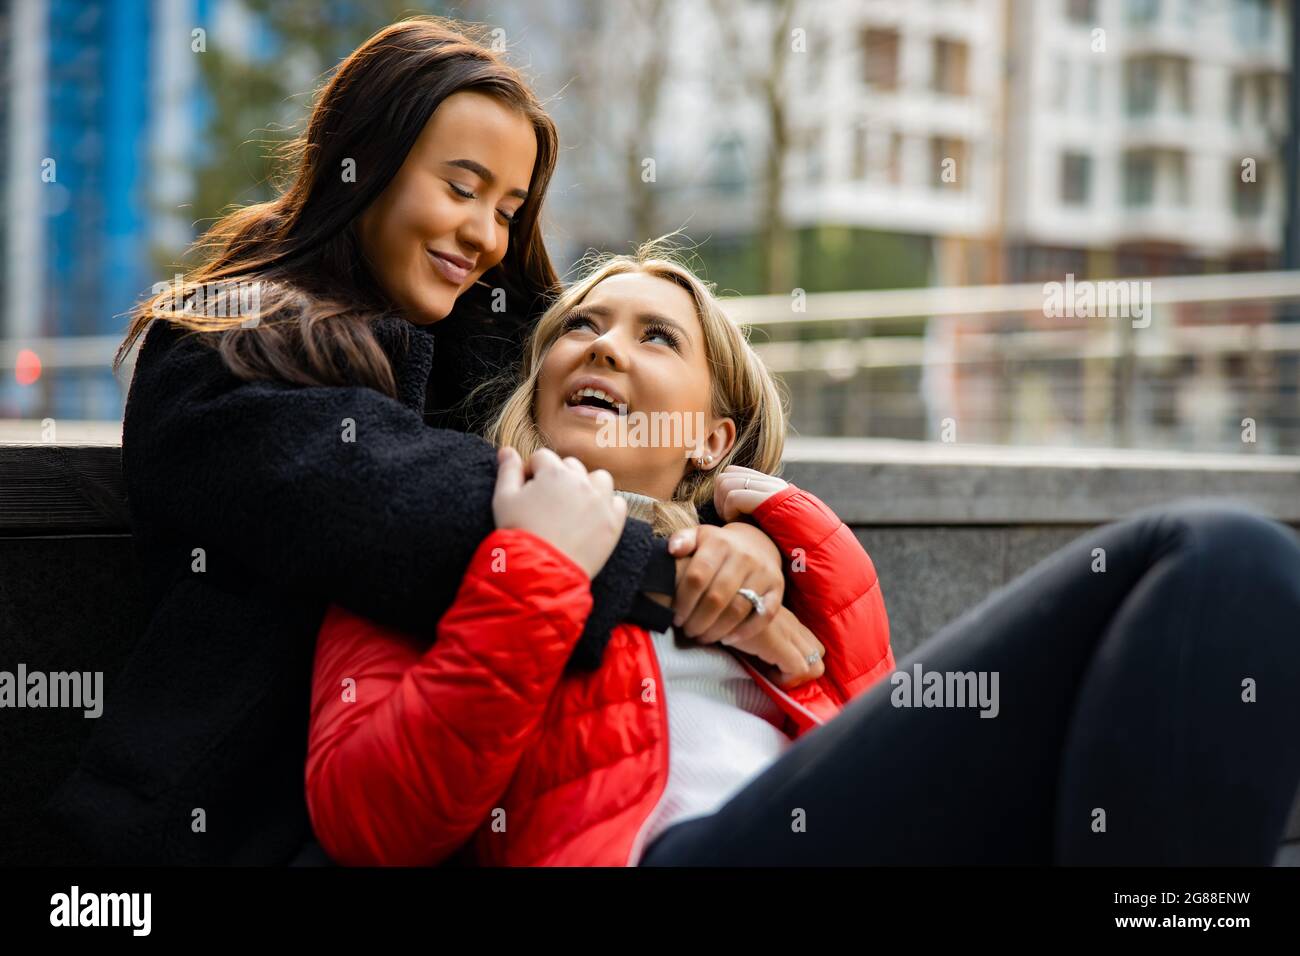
<point x="444" y="220"/>
<point x="637" y="339"/>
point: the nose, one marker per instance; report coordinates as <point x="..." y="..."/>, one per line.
<point x="478" y="232"/>
<point x="604" y="350"/>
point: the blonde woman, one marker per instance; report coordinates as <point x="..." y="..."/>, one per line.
<point x="481" y="740"/>
<point x="711" y="741"/>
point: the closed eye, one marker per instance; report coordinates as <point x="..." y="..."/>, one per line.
<point x="464" y="193"/>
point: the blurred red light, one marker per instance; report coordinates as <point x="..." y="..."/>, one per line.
<point x="28" y="369"/>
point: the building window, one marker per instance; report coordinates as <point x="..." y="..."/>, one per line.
<point x="1252" y="21"/>
<point x="1236" y="99"/>
<point x="1250" y="99"/>
<point x="1142" y="11"/>
<point x="1139" y="179"/>
<point x="950" y="67"/>
<point x="1180" y="71"/>
<point x="1140" y="85"/>
<point x="895" y="169"/>
<point x="861" y="151"/>
<point x="1076" y="179"/>
<point x="1265" y="97"/>
<point x="1083" y="12"/>
<point x="880" y="59"/>
<point x="1178" y="169"/>
<point x="1247" y="198"/>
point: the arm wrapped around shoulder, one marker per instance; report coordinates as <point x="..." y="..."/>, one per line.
<point x="337" y="492"/>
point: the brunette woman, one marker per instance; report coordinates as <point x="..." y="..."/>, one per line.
<point x="277" y="456"/>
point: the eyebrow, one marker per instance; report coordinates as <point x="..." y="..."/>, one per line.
<point x="642" y="318"/>
<point x="483" y="173"/>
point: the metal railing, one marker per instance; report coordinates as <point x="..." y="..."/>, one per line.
<point x="1214" y="366"/>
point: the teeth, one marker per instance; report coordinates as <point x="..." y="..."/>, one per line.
<point x="593" y="393"/>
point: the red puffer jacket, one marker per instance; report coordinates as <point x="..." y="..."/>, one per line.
<point x="482" y="741"/>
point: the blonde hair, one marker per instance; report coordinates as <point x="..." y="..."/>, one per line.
<point x="742" y="389"/>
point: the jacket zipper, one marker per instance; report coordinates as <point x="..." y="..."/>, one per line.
<point x="754" y="671"/>
<point x="661" y="702"/>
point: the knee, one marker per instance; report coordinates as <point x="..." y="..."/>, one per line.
<point x="1230" y="540"/>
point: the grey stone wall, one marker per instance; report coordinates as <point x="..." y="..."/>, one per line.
<point x="946" y="525"/>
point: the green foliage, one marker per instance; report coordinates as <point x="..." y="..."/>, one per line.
<point x="830" y="258"/>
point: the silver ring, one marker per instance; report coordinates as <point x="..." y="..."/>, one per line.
<point x="753" y="597"/>
<point x="812" y="659"/>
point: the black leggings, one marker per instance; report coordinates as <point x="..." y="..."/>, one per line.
<point x="1147" y="714"/>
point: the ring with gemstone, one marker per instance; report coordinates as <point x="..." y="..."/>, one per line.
<point x="812" y="659"/>
<point x="753" y="597"/>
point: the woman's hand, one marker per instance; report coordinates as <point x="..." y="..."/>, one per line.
<point x="713" y="564"/>
<point x="739" y="491"/>
<point x="787" y="645"/>
<point x="562" y="503"/>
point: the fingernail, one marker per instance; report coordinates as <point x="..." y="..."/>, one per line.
<point x="677" y="620"/>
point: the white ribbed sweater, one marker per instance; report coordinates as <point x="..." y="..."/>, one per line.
<point x="723" y="730"/>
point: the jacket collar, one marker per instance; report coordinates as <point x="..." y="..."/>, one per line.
<point x="409" y="348"/>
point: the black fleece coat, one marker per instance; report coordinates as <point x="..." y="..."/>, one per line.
<point x="199" y="755"/>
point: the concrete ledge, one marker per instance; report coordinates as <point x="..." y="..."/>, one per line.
<point x="29" y="431"/>
<point x="868" y="482"/>
<point x="872" y="482"/>
<point x="945" y="524"/>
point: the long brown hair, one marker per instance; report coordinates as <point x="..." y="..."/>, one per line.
<point x="318" y="301"/>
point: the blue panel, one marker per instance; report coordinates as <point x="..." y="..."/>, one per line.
<point x="127" y="76"/>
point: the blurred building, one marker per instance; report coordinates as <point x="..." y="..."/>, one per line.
<point x="1018" y="138"/>
<point x="953" y="142"/>
<point x="96" y="97"/>
<point x="819" y="145"/>
<point x="1147" y="132"/>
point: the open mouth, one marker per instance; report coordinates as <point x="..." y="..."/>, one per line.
<point x="596" y="398"/>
